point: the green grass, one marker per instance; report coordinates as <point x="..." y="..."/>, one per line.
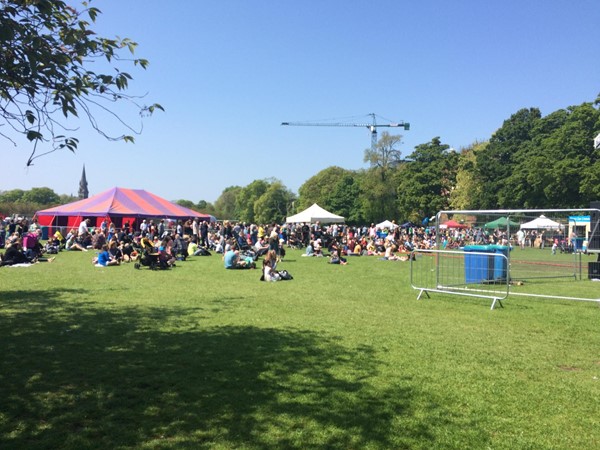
<point x="341" y="357"/>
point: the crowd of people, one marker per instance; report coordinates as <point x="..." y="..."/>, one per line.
<point x="240" y="244"/>
<point x="22" y="241"/>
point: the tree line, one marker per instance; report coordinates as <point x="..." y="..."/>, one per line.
<point x="529" y="162"/>
<point x="47" y="75"/>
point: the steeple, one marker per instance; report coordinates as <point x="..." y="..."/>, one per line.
<point x="83" y="185"/>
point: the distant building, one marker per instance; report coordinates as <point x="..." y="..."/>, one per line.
<point x="83" y="185"/>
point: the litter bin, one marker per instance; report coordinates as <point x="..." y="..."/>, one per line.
<point x="577" y="244"/>
<point x="479" y="268"/>
<point x="500" y="262"/>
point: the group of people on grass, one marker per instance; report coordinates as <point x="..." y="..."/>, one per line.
<point x="241" y="244"/>
<point x="23" y="245"/>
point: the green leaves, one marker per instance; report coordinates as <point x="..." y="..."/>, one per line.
<point x="47" y="50"/>
<point x="34" y="135"/>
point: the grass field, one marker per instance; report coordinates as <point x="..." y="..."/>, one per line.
<point x="341" y="357"/>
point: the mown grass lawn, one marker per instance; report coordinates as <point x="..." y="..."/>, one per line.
<point x="340" y="357"/>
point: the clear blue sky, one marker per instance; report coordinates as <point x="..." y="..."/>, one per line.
<point x="229" y="72"/>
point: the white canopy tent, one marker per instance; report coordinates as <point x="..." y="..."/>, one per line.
<point x="386" y="224"/>
<point x="314" y="214"/>
<point x="541" y="222"/>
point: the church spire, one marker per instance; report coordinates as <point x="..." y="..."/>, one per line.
<point x="83" y="185"/>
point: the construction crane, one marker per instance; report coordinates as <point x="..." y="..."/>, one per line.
<point x="371" y="126"/>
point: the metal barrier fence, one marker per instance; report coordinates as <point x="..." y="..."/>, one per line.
<point x="474" y="274"/>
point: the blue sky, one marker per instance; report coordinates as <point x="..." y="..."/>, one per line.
<point x="229" y="72"/>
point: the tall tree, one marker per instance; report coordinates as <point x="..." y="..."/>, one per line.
<point x="318" y="188"/>
<point x="345" y="199"/>
<point x="378" y="186"/>
<point x="48" y="64"/>
<point x="467" y="188"/>
<point x="42" y="196"/>
<point x="551" y="168"/>
<point x="247" y="197"/>
<point x="14" y="195"/>
<point x="425" y="183"/>
<point x="225" y="206"/>
<point x="496" y="162"/>
<point x="379" y="196"/>
<point x="385" y="157"/>
<point x="274" y="204"/>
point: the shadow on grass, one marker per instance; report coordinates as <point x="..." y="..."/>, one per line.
<point x="74" y="375"/>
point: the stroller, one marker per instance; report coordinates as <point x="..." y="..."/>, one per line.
<point x="149" y="257"/>
<point x="151" y="260"/>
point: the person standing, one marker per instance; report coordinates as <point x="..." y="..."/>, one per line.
<point x="84" y="227"/>
<point x="204" y="234"/>
<point x="161" y="229"/>
<point x="144" y="227"/>
<point x="195" y="227"/>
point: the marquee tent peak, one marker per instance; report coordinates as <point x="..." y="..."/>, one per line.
<point x="502" y="222"/>
<point x="315" y="213"/>
<point x="386" y="224"/>
<point x="118" y="203"/>
<point x="541" y="222"/>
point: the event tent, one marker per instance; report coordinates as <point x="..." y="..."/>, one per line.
<point x="453" y="224"/>
<point x="386" y="224"/>
<point x="541" y="222"/>
<point x="314" y="214"/>
<point x="502" y="222"/>
<point x="117" y="205"/>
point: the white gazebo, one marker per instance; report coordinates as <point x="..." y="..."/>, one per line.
<point x="314" y="214"/>
<point x="541" y="222"/>
<point x="386" y="224"/>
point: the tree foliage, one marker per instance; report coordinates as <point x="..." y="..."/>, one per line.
<point x="246" y="198"/>
<point x="48" y="51"/>
<point x="379" y="199"/>
<point x="225" y="206"/>
<point x="495" y="163"/>
<point x="345" y="199"/>
<point x="541" y="162"/>
<point x="318" y="188"/>
<point x="467" y="188"/>
<point x="18" y="201"/>
<point x="273" y="205"/>
<point x="384" y="157"/>
<point x="186" y="203"/>
<point x="425" y="183"/>
<point x="531" y="161"/>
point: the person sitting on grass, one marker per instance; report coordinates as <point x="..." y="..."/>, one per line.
<point x="192" y="246"/>
<point x="73" y="244"/>
<point x="309" y="250"/>
<point x="232" y="260"/>
<point x="104" y="258"/>
<point x="115" y="251"/>
<point x="14" y="255"/>
<point x="166" y="253"/>
<point x="336" y="257"/>
<point x="269" y="266"/>
<point x="390" y="252"/>
<point x="261" y="247"/>
<point x="317" y="247"/>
